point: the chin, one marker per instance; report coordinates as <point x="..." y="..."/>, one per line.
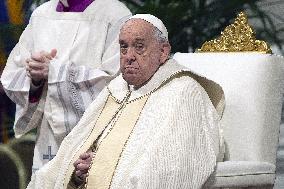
<point x="129" y="78"/>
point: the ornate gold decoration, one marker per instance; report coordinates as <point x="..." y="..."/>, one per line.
<point x="237" y="37"/>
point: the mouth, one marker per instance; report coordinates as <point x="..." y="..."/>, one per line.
<point x="130" y="70"/>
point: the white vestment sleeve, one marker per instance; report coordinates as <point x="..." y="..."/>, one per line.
<point x="15" y="81"/>
<point x="52" y="174"/>
<point x="197" y="134"/>
<point x="187" y="152"/>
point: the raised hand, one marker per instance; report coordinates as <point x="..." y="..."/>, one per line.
<point x="37" y="66"/>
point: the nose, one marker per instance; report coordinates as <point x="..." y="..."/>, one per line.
<point x="130" y="55"/>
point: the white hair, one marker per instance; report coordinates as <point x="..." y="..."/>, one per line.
<point x="159" y="35"/>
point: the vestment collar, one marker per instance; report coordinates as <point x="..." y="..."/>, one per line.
<point x="86" y="15"/>
<point x="118" y="87"/>
<point x="73" y="5"/>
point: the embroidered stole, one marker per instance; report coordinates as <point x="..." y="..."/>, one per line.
<point x="111" y="147"/>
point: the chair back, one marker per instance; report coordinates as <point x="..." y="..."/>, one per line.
<point x="253" y="86"/>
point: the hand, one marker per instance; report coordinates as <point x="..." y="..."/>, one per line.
<point x="38" y="65"/>
<point x="82" y="165"/>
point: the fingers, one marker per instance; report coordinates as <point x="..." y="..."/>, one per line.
<point x="85" y="155"/>
<point x="78" y="173"/>
<point x="44" y="56"/>
<point x="83" y="167"/>
<point x="37" y="66"/>
<point x="28" y="69"/>
<point x="34" y="65"/>
<point x="38" y="75"/>
<point x="84" y="158"/>
<point x="81" y="175"/>
<point x="38" y="56"/>
<point x="82" y="164"/>
<point x="28" y="74"/>
<point x="53" y="53"/>
<point x="82" y="170"/>
<point x="47" y="56"/>
<point x="78" y="161"/>
<point x="37" y="70"/>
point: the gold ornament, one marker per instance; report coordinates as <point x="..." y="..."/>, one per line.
<point x="237" y="37"/>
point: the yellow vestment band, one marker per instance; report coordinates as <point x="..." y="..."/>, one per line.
<point x="109" y="111"/>
<point x="111" y="147"/>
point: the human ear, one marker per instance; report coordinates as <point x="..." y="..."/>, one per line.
<point x="165" y="52"/>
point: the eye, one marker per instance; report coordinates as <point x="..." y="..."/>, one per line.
<point x="123" y="48"/>
<point x="139" y="47"/>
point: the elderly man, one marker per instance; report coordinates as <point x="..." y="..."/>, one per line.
<point x="65" y="57"/>
<point x="153" y="126"/>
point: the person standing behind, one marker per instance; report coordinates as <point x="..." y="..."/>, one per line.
<point x="68" y="52"/>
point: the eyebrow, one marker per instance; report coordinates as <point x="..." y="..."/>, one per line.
<point x="121" y="41"/>
<point x="136" y="40"/>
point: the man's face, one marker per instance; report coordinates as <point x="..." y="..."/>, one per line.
<point x="140" y="52"/>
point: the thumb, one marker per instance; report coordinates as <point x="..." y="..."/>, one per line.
<point x="53" y="53"/>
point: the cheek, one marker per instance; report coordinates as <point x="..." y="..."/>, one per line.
<point x="123" y="63"/>
<point x="146" y="71"/>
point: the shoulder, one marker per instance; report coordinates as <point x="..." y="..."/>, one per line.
<point x="43" y="9"/>
<point x="185" y="84"/>
<point x="113" y="9"/>
<point x="116" y="7"/>
<point x="187" y="90"/>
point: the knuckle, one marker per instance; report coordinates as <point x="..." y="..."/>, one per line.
<point x="78" y="173"/>
<point x="83" y="176"/>
<point x="79" y="166"/>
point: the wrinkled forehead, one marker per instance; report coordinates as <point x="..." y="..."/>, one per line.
<point x="136" y="27"/>
<point x="137" y="24"/>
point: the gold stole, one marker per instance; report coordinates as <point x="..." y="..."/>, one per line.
<point x="110" y="149"/>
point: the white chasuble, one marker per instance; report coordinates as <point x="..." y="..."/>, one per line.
<point x="164" y="135"/>
<point x="87" y="59"/>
